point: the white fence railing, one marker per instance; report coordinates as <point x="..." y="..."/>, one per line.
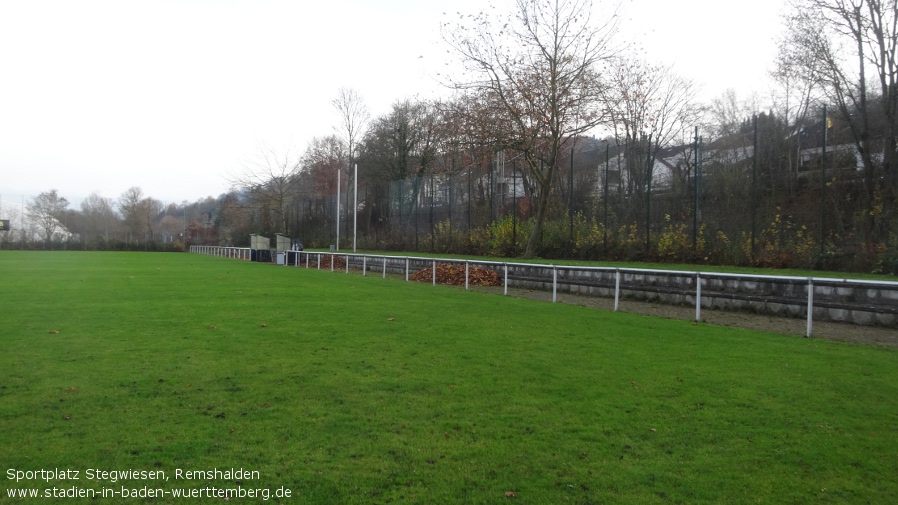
<point x="798" y="291"/>
<point x="240" y="253"/>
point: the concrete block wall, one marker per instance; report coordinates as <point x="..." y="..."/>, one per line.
<point x="834" y="300"/>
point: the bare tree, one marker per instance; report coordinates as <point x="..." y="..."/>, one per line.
<point x="149" y="209"/>
<point x="648" y="100"/>
<point x="232" y="216"/>
<point x="170" y="225"/>
<point x="799" y="84"/>
<point x="645" y="98"/>
<point x="850" y="47"/>
<point x="353" y="120"/>
<point x="99" y="216"/>
<point x="138" y="212"/>
<point x="727" y="112"/>
<point x="271" y="183"/>
<point x="45" y="210"/>
<point x="403" y="145"/>
<point x="129" y="209"/>
<point x="537" y="69"/>
<point x="391" y="142"/>
<point x="323" y="157"/>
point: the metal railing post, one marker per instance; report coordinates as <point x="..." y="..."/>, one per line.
<point x="505" y="282"/>
<point x="810" y="306"/>
<point x="554" y="283"/>
<point x="616" y="289"/>
<point x="698" y="296"/>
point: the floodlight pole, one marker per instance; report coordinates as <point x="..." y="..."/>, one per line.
<point x="696" y="192"/>
<point x="605" y="220"/>
<point x="823" y="186"/>
<point x="754" y="184"/>
<point x="337" y="244"/>
<point x="355" y="205"/>
<point x="648" y="197"/>
<point x="571" y="199"/>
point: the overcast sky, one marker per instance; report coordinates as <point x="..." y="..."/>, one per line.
<point x="175" y="96"/>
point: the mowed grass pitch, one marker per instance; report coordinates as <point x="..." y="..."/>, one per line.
<point x="346" y="389"/>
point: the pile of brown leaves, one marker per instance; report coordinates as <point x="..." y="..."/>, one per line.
<point x="339" y="263"/>
<point x="454" y="274"/>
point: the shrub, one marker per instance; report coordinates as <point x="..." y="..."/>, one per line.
<point x="509" y="236"/>
<point x="674" y="243"/>
<point x="785" y="244"/>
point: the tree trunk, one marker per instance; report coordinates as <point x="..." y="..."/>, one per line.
<point x="545" y="189"/>
<point x="534" y="240"/>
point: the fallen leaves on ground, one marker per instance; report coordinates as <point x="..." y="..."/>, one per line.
<point x="448" y="273"/>
<point x="339" y="263"/>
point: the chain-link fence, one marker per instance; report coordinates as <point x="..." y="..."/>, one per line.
<point x="706" y="202"/>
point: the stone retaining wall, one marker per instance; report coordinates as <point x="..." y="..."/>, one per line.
<point x="858" y="302"/>
<point x="834" y="300"/>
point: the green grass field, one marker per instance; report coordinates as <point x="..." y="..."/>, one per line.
<point x="344" y="389"/>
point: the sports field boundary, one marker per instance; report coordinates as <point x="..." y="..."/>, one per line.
<point x="855" y="301"/>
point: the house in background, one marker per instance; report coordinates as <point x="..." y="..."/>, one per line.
<point x="624" y="167"/>
<point x="842" y="155"/>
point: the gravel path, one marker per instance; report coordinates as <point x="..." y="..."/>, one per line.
<point x="871" y="335"/>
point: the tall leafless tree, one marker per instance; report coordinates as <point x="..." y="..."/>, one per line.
<point x="850" y="48"/>
<point x="270" y="183"/>
<point x="323" y="157"/>
<point x="404" y="145"/>
<point x="45" y="210"/>
<point x="538" y="68"/>
<point x="798" y="89"/>
<point x="138" y="212"/>
<point x="99" y="217"/>
<point x="353" y="122"/>
<point x="129" y="209"/>
<point x="354" y="119"/>
<point x="646" y="99"/>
